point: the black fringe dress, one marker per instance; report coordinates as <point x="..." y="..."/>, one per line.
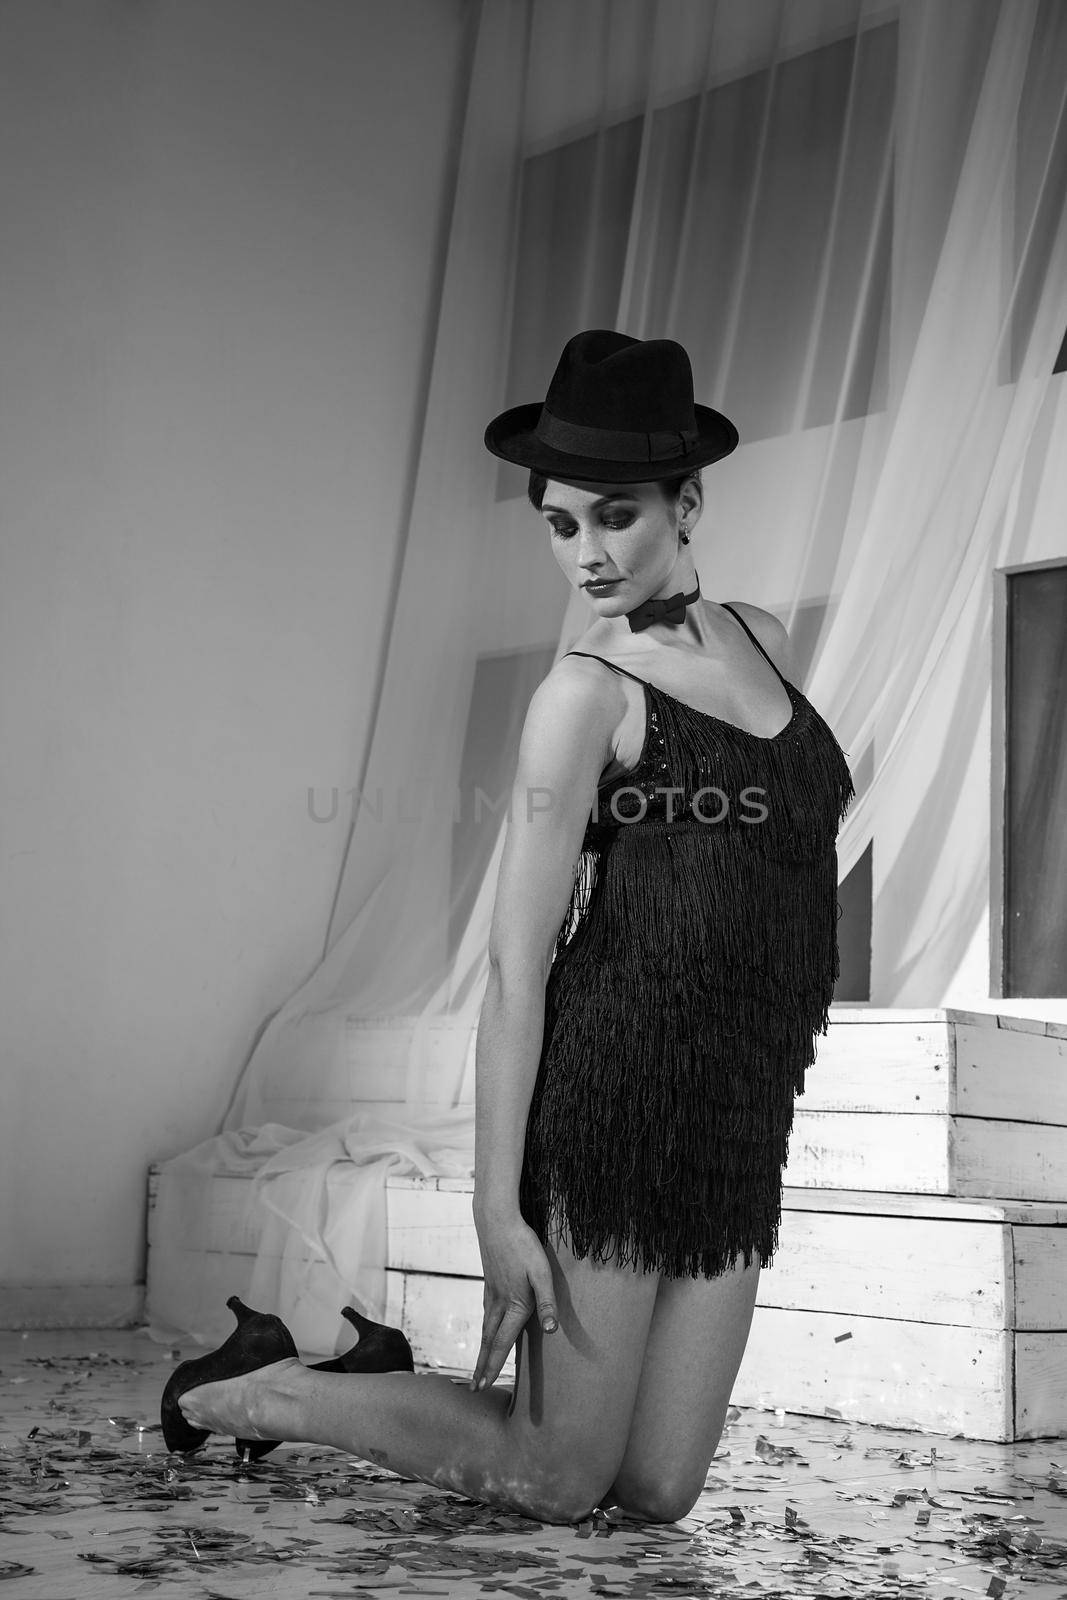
<point x="694" y="967"/>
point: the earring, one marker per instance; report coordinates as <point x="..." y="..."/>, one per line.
<point x="683" y="534"/>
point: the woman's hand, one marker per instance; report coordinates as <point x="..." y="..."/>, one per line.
<point x="518" y="1278"/>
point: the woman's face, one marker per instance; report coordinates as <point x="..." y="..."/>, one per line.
<point x="626" y="534"/>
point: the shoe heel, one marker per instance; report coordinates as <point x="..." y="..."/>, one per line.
<point x="380" y="1349"/>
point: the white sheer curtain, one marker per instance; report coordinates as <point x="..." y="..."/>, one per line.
<point x="853" y="216"/>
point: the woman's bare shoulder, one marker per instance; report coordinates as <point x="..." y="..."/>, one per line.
<point x="771" y="632"/>
<point x="568" y="735"/>
<point x="578" y="680"/>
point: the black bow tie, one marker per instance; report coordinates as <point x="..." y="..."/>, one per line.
<point x="672" y="609"/>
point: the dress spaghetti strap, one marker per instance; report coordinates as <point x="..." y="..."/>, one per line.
<point x="606" y="662"/>
<point x="751" y="635"/>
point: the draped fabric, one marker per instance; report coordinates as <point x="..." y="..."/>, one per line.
<point x="853" y="216"/>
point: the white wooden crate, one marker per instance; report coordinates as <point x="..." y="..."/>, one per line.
<point x="943" y="1102"/>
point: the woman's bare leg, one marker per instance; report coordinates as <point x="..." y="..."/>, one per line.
<point x="551" y="1450"/>
<point x="696" y="1341"/>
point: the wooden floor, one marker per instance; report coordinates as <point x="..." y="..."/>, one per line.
<point x="93" y="1506"/>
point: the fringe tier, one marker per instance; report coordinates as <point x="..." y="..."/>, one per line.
<point x="692" y="973"/>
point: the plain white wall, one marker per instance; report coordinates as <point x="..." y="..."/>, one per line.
<point x="222" y="224"/>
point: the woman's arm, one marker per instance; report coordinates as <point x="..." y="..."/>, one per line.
<point x="566" y="743"/>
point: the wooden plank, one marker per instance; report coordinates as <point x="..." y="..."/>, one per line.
<point x="864" y="1150"/>
<point x="1017" y="1076"/>
<point x="975" y="1018"/>
<point x="902" y="1268"/>
<point x="862" y="1011"/>
<point x="962" y="1208"/>
<point x="1040" y="1385"/>
<point x="1014" y="1024"/>
<point x="927" y="1154"/>
<point x="867" y="1067"/>
<point x="938" y="1377"/>
<point x="1023" y="1159"/>
<point x="433" y="1231"/>
<point x="1040" y="1278"/>
<point x="441" y="1317"/>
<point x="1045" y="1016"/>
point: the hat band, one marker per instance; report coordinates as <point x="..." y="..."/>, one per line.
<point x="613" y="444"/>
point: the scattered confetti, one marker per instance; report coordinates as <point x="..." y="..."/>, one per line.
<point x="795" y="1508"/>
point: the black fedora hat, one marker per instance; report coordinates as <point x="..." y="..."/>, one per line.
<point x="618" y="410"/>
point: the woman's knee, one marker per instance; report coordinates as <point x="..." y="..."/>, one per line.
<point x="561" y="1475"/>
<point x="564" y="1487"/>
<point x="661" y="1499"/>
<point x="563" y="1500"/>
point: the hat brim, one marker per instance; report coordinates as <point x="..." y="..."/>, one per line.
<point x="512" y="437"/>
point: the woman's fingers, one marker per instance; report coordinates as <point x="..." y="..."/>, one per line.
<point x="507" y="1331"/>
<point x="545" y="1294"/>
<point x="491" y="1316"/>
<point x="517" y="1286"/>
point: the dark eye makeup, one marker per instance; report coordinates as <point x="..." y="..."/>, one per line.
<point x="620" y="517"/>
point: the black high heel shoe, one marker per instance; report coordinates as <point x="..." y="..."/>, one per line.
<point x="258" y="1339"/>
<point x="380" y="1349"/>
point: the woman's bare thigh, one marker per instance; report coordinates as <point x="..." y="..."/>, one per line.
<point x="576" y="1389"/>
<point x="696" y="1339"/>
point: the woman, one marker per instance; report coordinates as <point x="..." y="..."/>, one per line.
<point x="662" y="953"/>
